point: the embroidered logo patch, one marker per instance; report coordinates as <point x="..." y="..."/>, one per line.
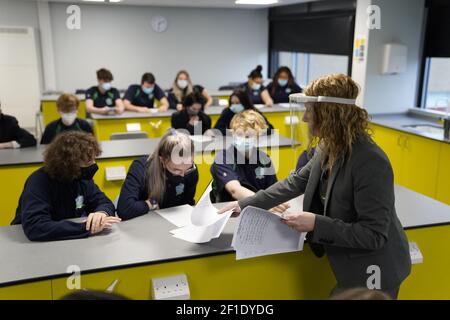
<point x="79" y="202"/>
<point x="179" y="189"/>
<point x="259" y="172"/>
<point x="109" y="101"/>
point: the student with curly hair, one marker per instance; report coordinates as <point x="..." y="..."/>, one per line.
<point x="64" y="189"/>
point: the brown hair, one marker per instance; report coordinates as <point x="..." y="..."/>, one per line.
<point x="64" y="156"/>
<point x="170" y="142"/>
<point x="67" y="102"/>
<point x="248" y="119"/>
<point x="105" y="75"/>
<point x="361" y="294"/>
<point x="336" y="126"/>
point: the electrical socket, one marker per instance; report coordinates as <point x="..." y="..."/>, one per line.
<point x="171" y="288"/>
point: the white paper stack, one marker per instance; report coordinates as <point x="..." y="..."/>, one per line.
<point x="260" y="232"/>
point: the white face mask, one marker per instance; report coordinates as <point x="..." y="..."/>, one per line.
<point x="182" y="84"/>
<point x="68" y="118"/>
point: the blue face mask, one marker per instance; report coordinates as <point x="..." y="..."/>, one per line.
<point x="147" y="90"/>
<point x="256" y="86"/>
<point x="243" y="144"/>
<point x="282" y="82"/>
<point x="236" y="108"/>
<point x="106" y="86"/>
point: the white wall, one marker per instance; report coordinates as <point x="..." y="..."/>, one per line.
<point x="401" y="22"/>
<point x="215" y="45"/>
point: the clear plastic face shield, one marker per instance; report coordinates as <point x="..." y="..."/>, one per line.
<point x="298" y="120"/>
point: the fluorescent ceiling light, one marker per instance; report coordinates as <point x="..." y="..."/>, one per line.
<point x="256" y="2"/>
<point x="110" y="1"/>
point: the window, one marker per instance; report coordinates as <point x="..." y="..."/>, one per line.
<point x="436" y="91"/>
<point x="309" y="66"/>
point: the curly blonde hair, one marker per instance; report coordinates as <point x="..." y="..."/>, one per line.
<point x="336" y="126"/>
<point x="249" y="119"/>
<point x="67" y="152"/>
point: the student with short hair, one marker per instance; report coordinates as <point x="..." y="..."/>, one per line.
<point x="63" y="189"/>
<point x="67" y="106"/>
<point x="141" y="98"/>
<point x="103" y="98"/>
<point x="191" y="117"/>
<point x="12" y="136"/>
<point x="283" y="85"/>
<point x="243" y="169"/>
<point x="167" y="178"/>
<point x="182" y="86"/>
<point x="239" y="102"/>
<point x="255" y="89"/>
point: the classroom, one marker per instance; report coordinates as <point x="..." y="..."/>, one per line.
<point x="225" y="150"/>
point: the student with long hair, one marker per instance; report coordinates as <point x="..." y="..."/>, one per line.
<point x="167" y="178"/>
<point x="239" y="102"/>
<point x="348" y="186"/>
<point x="182" y="87"/>
<point x="63" y="189"/>
<point x="255" y="89"/>
<point x="283" y="85"/>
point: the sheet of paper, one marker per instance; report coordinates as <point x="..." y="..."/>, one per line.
<point x="260" y="232"/>
<point x="204" y="212"/>
<point x="179" y="216"/>
<point x="284" y="105"/>
<point x="259" y="106"/>
<point x="202" y="234"/>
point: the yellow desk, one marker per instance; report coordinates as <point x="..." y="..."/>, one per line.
<point x="115" y="153"/>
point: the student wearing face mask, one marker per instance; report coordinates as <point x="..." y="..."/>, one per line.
<point x="67" y="105"/>
<point x="64" y="189"/>
<point x="283" y="85"/>
<point x="182" y="87"/>
<point x="191" y="117"/>
<point x="243" y="169"/>
<point x="165" y="179"/>
<point x="103" y="98"/>
<point x="255" y="89"/>
<point x="12" y="136"/>
<point x="141" y="98"/>
<point x="239" y="101"/>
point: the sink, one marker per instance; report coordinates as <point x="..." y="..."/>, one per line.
<point x="428" y="129"/>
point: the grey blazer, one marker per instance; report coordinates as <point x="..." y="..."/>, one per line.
<point x="359" y="227"/>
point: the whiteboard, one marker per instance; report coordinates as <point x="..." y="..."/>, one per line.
<point x="19" y="74"/>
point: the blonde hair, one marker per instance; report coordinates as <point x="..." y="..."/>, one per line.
<point x="177" y="91"/>
<point x="248" y="119"/>
<point x="336" y="126"/>
<point x="172" y="141"/>
<point x="67" y="102"/>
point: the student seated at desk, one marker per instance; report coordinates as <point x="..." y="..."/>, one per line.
<point x="191" y="117"/>
<point x="283" y="85"/>
<point x="67" y="105"/>
<point x="242" y="169"/>
<point x="167" y="178"/>
<point x="103" y="98"/>
<point x="11" y="135"/>
<point x="64" y="189"/>
<point x="257" y="93"/>
<point x="141" y="98"/>
<point x="239" y="101"/>
<point x="182" y="87"/>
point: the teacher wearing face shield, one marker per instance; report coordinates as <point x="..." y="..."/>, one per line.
<point x="348" y="189"/>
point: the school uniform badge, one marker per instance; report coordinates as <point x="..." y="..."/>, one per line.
<point x="79" y="202"/>
<point x="179" y="189"/>
<point x="259" y="172"/>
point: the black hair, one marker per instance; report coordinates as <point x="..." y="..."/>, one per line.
<point x="281" y="69"/>
<point x="243" y="98"/>
<point x="192" y="98"/>
<point x="148" y="77"/>
<point x="256" y="73"/>
<point x="92" y="295"/>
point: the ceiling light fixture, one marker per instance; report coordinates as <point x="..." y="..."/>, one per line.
<point x="256" y="2"/>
